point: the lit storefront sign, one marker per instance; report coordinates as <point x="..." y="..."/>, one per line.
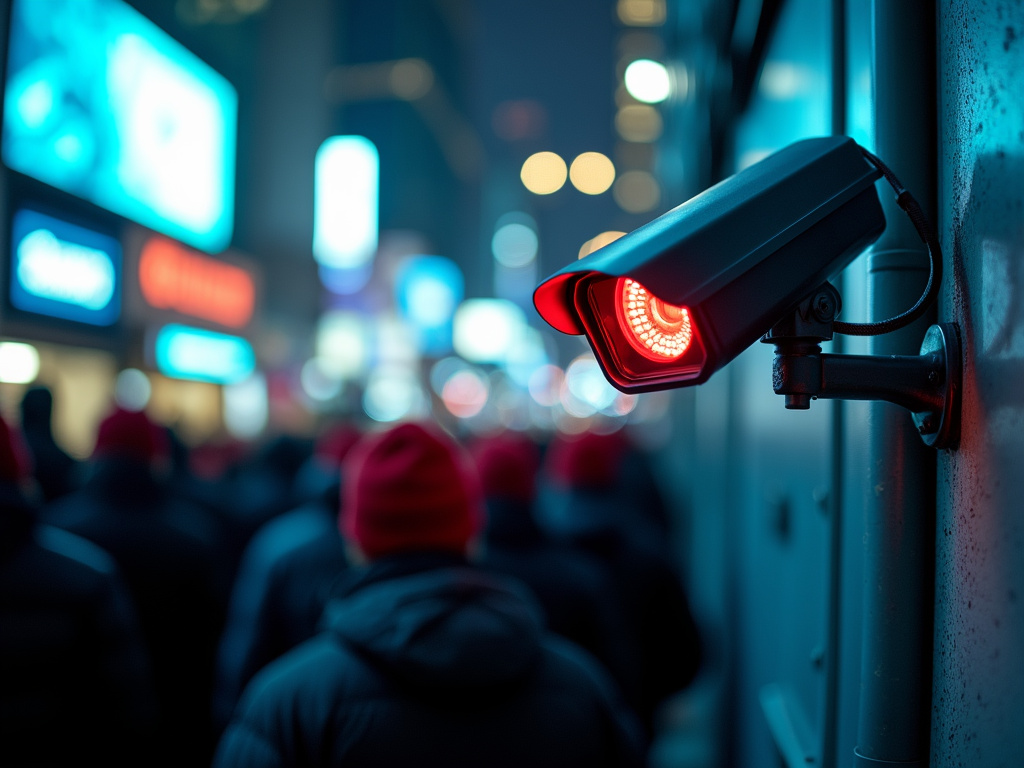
<point x="182" y="352"/>
<point x="64" y="270"/>
<point x="177" y="278"/>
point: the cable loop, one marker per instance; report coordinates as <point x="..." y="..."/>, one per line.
<point x="909" y="204"/>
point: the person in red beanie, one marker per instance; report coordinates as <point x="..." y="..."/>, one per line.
<point x="426" y="659"/>
<point x="596" y="496"/>
<point x="571" y="585"/>
<point x="76" y="677"/>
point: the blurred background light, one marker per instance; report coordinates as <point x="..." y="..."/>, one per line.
<point x="395" y="341"/>
<point x="592" y="173"/>
<point x="648" y="81"/>
<point x="63" y="270"/>
<point x="485" y="329"/>
<point x="393" y="393"/>
<point x="172" y="276"/>
<point x="132" y="390"/>
<point x="342" y="344"/>
<point x="200" y="355"/>
<point x="639" y="123"/>
<point x="465" y="393"/>
<point x="545" y="385"/>
<point x="345" y="206"/>
<point x="515" y="242"/>
<point x="427" y="291"/>
<point x="525" y="355"/>
<point x="246" y="407"/>
<point x="318" y="383"/>
<point x="443" y="370"/>
<point x="598" y="241"/>
<point x="543" y="173"/>
<point x="411" y="79"/>
<point x="345" y="281"/>
<point x="637" y="192"/>
<point x="19" y="362"/>
<point x="586" y="388"/>
<point x="641" y="13"/>
<point x="105" y="105"/>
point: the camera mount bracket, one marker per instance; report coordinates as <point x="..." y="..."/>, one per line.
<point x="927" y="384"/>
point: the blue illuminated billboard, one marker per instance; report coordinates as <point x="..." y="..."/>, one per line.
<point x="101" y="103"/>
<point x="428" y="289"/>
<point x="64" y="270"/>
<point x="183" y="352"/>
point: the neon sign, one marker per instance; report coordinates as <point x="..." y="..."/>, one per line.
<point x="178" y="278"/>
<point x="63" y="270"/>
<point x="101" y="103"/>
<point x="193" y="353"/>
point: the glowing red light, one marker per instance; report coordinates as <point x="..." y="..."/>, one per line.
<point x="172" y="276"/>
<point x="656" y="329"/>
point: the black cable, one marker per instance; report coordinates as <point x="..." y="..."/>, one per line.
<point x="913" y="209"/>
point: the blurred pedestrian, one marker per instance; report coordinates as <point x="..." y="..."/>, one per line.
<point x="571" y="584"/>
<point x="591" y="500"/>
<point x="285" y="574"/>
<point x="168" y="566"/>
<point x="426" y="658"/>
<point x="75" y="684"/>
<point x="54" y="469"/>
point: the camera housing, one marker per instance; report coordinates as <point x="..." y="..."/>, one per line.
<point x="675" y="300"/>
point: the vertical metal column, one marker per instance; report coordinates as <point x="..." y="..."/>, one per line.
<point x="900" y="506"/>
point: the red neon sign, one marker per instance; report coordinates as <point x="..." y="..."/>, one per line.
<point x="174" y="277"/>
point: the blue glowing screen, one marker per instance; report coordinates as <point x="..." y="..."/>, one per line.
<point x="103" y="104"/>
<point x="63" y="270"/>
<point x="428" y="290"/>
<point x="183" y="352"/>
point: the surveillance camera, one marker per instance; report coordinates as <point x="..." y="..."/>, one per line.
<point x="750" y="258"/>
<point x="670" y="303"/>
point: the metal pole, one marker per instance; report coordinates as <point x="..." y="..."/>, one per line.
<point x="899" y="511"/>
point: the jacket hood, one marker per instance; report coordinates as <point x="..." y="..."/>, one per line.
<point x="449" y="628"/>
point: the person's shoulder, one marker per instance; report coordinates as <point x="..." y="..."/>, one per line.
<point x="571" y="664"/>
<point x="75" y="551"/>
<point x="315" y="666"/>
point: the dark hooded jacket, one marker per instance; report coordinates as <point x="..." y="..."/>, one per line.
<point x="75" y="682"/>
<point x="428" y="661"/>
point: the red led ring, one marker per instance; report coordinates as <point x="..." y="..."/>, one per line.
<point x="656" y="329"/>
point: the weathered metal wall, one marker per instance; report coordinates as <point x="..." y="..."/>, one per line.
<point x="978" y="700"/>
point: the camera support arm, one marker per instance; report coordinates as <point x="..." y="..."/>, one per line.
<point x="927" y="384"/>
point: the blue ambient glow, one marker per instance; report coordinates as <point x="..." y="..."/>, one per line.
<point x="63" y="270"/>
<point x="192" y="353"/>
<point x="104" y="105"/>
<point x="428" y="290"/>
<point x="345" y="207"/>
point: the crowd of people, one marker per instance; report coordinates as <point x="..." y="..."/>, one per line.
<point x="386" y="595"/>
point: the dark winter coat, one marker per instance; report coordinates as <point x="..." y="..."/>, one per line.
<point x="427" y="661"/>
<point x="283" y="581"/>
<point x="572" y="586"/>
<point x="75" y="684"/>
<point x="168" y="565"/>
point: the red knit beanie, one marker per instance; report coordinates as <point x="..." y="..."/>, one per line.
<point x="130" y="433"/>
<point x="507" y="463"/>
<point x="587" y="461"/>
<point x="15" y="464"/>
<point x="409" y="488"/>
